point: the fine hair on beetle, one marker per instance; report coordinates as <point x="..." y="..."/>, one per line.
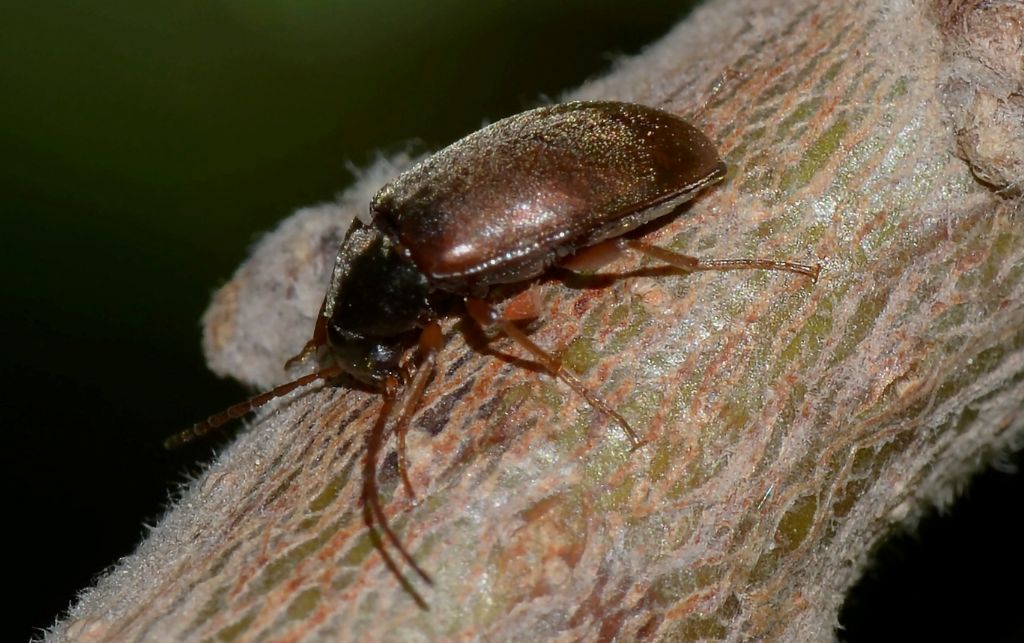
<point x="553" y="186"/>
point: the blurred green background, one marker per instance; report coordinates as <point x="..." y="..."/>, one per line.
<point x="145" y="147"/>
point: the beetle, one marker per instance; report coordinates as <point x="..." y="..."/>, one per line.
<point x="550" y="186"/>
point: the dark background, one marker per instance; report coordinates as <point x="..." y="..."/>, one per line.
<point x="145" y="148"/>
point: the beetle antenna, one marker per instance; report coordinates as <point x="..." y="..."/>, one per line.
<point x="371" y="496"/>
<point x="218" y="420"/>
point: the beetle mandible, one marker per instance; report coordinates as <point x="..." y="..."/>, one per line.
<point x="500" y="206"/>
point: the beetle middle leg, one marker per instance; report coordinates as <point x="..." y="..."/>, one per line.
<point x="485" y="315"/>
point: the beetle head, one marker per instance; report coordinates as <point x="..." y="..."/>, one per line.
<point x="375" y="304"/>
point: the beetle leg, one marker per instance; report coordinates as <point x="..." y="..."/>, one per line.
<point x="693" y="264"/>
<point x="727" y="76"/>
<point x="319" y="338"/>
<point x="372" y="511"/>
<point x="485" y="315"/>
<point x="523" y="307"/>
<point x="431" y="340"/>
<point x="593" y="257"/>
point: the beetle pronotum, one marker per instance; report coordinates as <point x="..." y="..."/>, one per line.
<point x="548" y="186"/>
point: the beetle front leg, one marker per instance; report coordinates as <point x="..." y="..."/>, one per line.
<point x="431" y="340"/>
<point x="319" y="339"/>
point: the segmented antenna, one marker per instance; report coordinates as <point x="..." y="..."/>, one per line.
<point x="218" y="420"/>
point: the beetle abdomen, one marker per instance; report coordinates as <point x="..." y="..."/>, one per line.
<point x="505" y="202"/>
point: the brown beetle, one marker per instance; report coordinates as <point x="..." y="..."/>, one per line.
<point x="500" y="206"/>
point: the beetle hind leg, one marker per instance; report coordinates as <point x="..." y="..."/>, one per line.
<point x="694" y="264"/>
<point x="600" y="254"/>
